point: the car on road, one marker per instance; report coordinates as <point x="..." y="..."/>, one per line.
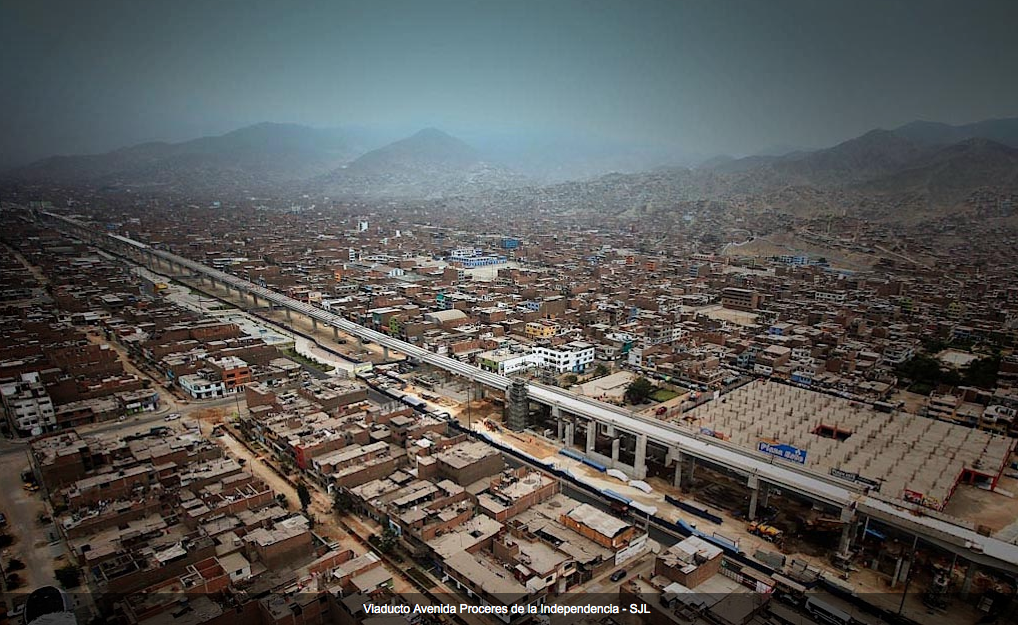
<point x="172" y="417"/>
<point x="618" y="575"/>
<point x="30" y="487"/>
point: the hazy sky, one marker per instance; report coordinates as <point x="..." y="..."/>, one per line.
<point x="710" y="77"/>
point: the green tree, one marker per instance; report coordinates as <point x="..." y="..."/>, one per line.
<point x="304" y="496"/>
<point x="925" y="372"/>
<point x="387" y="540"/>
<point x="639" y="390"/>
<point x="69" y="576"/>
<point x="983" y="372"/>
<point x="341" y="500"/>
<point x="600" y="370"/>
<point x="569" y="380"/>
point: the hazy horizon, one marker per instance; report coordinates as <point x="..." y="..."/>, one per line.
<point x="701" y="78"/>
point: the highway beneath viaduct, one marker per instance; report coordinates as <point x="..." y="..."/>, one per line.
<point x="684" y="447"/>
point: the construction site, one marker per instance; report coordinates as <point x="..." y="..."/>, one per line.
<point x="790" y="533"/>
<point x="899" y="456"/>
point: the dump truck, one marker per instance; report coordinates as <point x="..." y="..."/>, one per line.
<point x="768" y="532"/>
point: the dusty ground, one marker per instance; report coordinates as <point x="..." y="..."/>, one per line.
<point x="913" y="401"/>
<point x="31" y="542"/>
<point x="777" y="244"/>
<point x="986" y="508"/>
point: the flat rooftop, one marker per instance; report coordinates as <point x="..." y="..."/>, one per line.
<point x="466" y="453"/>
<point x="597" y="520"/>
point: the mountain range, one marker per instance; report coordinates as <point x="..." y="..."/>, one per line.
<point x="266" y="152"/>
<point x="427" y="165"/>
<point x="938" y="163"/>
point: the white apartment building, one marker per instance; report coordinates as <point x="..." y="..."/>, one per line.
<point x="504" y="361"/>
<point x="835" y="297"/>
<point x="201" y="388"/>
<point x="28" y="407"/>
<point x="574" y="356"/>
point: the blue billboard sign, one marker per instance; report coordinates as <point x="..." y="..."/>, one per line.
<point x="783" y="451"/>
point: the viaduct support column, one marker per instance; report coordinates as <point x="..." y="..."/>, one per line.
<point x="335" y="332"/>
<point x="677" y="481"/>
<point x="640" y="460"/>
<point x="556" y="414"/>
<point x="591" y="436"/>
<point x="385" y="352"/>
<point x="314" y="325"/>
<point x="966" y="583"/>
<point x="570" y="434"/>
<point x="850" y="520"/>
<point x="754" y="486"/>
<point x="289" y="316"/>
<point x="615" y="450"/>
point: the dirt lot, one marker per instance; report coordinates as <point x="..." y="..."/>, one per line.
<point x="986" y="508"/>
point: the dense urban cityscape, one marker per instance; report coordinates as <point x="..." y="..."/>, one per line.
<point x="286" y="374"/>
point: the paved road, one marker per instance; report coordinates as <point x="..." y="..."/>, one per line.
<point x="601" y="590"/>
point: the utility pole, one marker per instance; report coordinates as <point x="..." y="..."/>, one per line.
<point x="908" y="577"/>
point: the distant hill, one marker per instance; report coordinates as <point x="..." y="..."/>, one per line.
<point x="429" y="148"/>
<point x="876" y="153"/>
<point x="259" y="154"/>
<point x="1004" y="131"/>
<point x="914" y="179"/>
<point x="428" y="164"/>
<point x="934" y="166"/>
<point x="948" y="174"/>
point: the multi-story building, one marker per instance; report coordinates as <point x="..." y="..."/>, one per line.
<point x="542" y="329"/>
<point x="506" y="361"/>
<point x="28" y="407"/>
<point x="574" y="356"/>
<point x="740" y="299"/>
<point x="201" y="388"/>
<point x="232" y="371"/>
